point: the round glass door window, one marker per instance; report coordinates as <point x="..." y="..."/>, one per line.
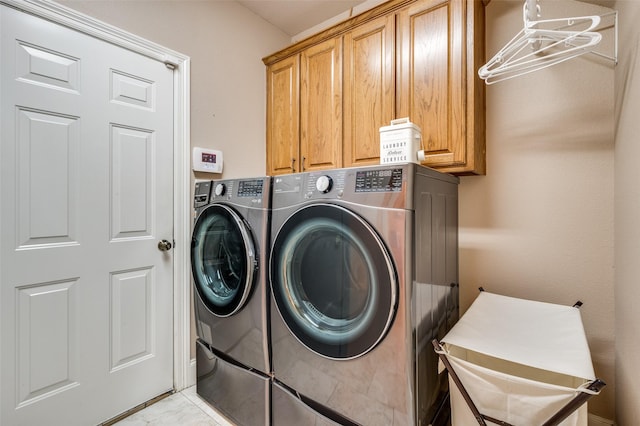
<point x="223" y="260"/>
<point x="333" y="281"/>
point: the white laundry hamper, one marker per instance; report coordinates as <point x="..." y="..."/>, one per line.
<point x="518" y="362"/>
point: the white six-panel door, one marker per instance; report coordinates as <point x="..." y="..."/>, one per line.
<point x="86" y="165"/>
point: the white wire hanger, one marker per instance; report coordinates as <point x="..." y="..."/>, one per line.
<point x="541" y="44"/>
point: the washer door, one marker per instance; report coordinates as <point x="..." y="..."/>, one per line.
<point x="333" y="281"/>
<point x="223" y="260"/>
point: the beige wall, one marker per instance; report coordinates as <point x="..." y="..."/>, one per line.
<point x="225" y="42"/>
<point x="539" y="225"/>
<point x="627" y="216"/>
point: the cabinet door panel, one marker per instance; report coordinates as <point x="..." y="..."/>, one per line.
<point x="321" y="106"/>
<point x="369" y="95"/>
<point x="432" y="81"/>
<point x="283" y="138"/>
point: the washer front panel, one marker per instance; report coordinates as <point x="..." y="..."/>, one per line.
<point x="223" y="260"/>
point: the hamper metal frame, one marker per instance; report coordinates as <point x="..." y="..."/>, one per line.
<point x="595" y="386"/>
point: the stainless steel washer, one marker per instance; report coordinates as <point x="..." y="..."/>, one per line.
<point x="363" y="274"/>
<point x="229" y="249"/>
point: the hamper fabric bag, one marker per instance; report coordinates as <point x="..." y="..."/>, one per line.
<point x="519" y="362"/>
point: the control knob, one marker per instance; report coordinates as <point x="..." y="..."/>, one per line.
<point x="324" y="184"/>
<point x="220" y="189"/>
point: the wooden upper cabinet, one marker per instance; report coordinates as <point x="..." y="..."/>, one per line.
<point x="321" y="106"/>
<point x="283" y="130"/>
<point x="369" y="90"/>
<point x="440" y="47"/>
<point x="404" y="58"/>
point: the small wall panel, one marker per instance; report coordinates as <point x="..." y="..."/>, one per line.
<point x="46" y="346"/>
<point x="48" y="146"/>
<point x="133" y="91"/>
<point x="131" y="182"/>
<point x="38" y="65"/>
<point x="132" y="316"/>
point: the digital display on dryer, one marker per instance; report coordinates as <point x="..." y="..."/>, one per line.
<point x="387" y="180"/>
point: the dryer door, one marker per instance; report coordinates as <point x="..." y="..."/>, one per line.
<point x="223" y="260"/>
<point x="333" y="281"/>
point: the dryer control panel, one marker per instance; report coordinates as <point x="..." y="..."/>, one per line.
<point x="379" y="180"/>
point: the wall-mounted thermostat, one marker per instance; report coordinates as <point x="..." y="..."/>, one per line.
<point x="207" y="160"/>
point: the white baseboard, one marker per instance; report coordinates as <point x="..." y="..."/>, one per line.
<point x="599" y="421"/>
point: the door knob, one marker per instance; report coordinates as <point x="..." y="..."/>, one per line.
<point x="164" y="245"/>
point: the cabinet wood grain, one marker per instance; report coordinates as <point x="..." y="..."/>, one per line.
<point x="369" y="91"/>
<point x="283" y="130"/>
<point x="321" y="106"/>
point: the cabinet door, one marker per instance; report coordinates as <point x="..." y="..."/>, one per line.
<point x="437" y="85"/>
<point x="321" y="106"/>
<point x="369" y="92"/>
<point x="283" y="136"/>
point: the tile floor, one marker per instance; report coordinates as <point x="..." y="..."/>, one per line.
<point x="184" y="408"/>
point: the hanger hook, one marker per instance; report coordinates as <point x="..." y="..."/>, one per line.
<point x="531" y="11"/>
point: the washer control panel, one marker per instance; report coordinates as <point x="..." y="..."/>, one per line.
<point x="250" y="188"/>
<point x="254" y="192"/>
<point x="201" y="194"/>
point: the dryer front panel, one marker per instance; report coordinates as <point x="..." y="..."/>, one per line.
<point x="333" y="281"/>
<point x="223" y="260"/>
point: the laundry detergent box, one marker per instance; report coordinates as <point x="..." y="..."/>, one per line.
<point x="400" y="142"/>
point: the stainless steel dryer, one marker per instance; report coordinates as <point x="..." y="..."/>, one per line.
<point x="229" y="249"/>
<point x="363" y="273"/>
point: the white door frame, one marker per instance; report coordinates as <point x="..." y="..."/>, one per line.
<point x="181" y="160"/>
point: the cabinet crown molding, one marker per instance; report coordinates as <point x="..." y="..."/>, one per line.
<point x="338" y="29"/>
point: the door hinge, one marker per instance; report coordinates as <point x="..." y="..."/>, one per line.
<point x="171" y="65"/>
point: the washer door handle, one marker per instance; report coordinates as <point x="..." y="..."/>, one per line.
<point x="164" y="245"/>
